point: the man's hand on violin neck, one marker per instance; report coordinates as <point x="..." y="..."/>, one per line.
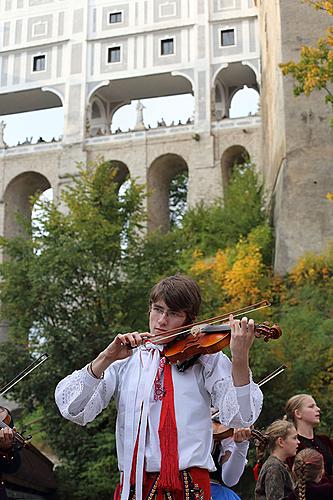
<point x="242" y="336"/>
<point x="241" y="435"/>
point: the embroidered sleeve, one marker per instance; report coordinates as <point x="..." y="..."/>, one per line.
<point x="80" y="397"/>
<point x="239" y="406"/>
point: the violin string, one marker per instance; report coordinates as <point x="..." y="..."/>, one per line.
<point x="171" y="334"/>
<point x="269" y="377"/>
<point x="24" y="373"/>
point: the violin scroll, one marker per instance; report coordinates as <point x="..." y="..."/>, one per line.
<point x="269" y="332"/>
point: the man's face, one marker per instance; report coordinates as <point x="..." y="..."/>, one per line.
<point x="162" y="319"/>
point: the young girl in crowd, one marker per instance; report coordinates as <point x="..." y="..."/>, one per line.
<point x="308" y="470"/>
<point x="304" y="412"/>
<point x="275" y="481"/>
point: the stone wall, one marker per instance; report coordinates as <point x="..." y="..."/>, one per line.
<point x="296" y="136"/>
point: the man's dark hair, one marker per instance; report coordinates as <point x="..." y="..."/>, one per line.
<point x="180" y="293"/>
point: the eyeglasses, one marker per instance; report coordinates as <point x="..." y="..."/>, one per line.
<point x="168" y="312"/>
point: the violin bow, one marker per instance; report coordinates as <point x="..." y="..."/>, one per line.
<point x="263" y="381"/>
<point x="272" y="375"/>
<point x="222" y="317"/>
<point x="24" y="373"/>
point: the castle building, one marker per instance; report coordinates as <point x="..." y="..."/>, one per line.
<point x="91" y="57"/>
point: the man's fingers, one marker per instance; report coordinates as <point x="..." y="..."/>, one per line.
<point x="132" y="339"/>
<point x="244" y="325"/>
<point x="251" y="326"/>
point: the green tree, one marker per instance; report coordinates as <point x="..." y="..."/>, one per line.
<point x="178" y="197"/>
<point x="62" y="292"/>
<point x="208" y="228"/>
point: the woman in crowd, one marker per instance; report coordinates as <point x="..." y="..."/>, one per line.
<point x="308" y="470"/>
<point x="304" y="412"/>
<point x="275" y="481"/>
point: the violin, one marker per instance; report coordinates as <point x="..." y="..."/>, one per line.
<point x="216" y="337"/>
<point x="221" y="432"/>
<point x="6" y="421"/>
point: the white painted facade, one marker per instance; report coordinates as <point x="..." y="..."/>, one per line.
<point x="94" y="56"/>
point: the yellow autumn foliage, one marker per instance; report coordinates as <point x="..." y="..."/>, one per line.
<point x="322" y="5"/>
<point x="313" y="268"/>
<point x="236" y="272"/>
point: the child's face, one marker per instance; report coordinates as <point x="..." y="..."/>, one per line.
<point x="290" y="443"/>
<point x="309" y="411"/>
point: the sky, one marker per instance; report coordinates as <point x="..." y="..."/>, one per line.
<point x="49" y="123"/>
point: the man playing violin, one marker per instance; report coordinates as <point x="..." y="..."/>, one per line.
<point x="163" y="429"/>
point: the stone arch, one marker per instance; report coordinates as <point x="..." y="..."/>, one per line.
<point x="56" y="91"/>
<point x="99" y="120"/>
<point x="124" y="91"/>
<point x="234" y="154"/>
<point x="244" y="102"/>
<point x="123" y="172"/>
<point x="17" y="200"/>
<point x="231" y="79"/>
<point x="162" y="170"/>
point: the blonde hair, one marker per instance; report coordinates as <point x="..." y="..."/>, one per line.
<point x="293" y="404"/>
<point x="307" y="467"/>
<point x="278" y="429"/>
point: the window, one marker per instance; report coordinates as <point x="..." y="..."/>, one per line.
<point x="39" y="29"/>
<point x="227" y="37"/>
<point x="115" y="17"/>
<point x="167" y="9"/>
<point x="39" y="63"/>
<point x="226" y="4"/>
<point x="167" y="47"/>
<point x="113" y="54"/>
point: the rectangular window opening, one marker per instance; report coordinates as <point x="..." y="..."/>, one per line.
<point x="227" y="37"/>
<point x="115" y="17"/>
<point x="113" y="54"/>
<point x="167" y="46"/>
<point x="39" y="63"/>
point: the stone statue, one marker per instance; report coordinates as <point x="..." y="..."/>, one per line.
<point x="139" y="125"/>
<point x="3" y="145"/>
<point x="88" y="120"/>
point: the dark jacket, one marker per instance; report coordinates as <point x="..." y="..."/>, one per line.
<point x="324" y="445"/>
<point x="315" y="491"/>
